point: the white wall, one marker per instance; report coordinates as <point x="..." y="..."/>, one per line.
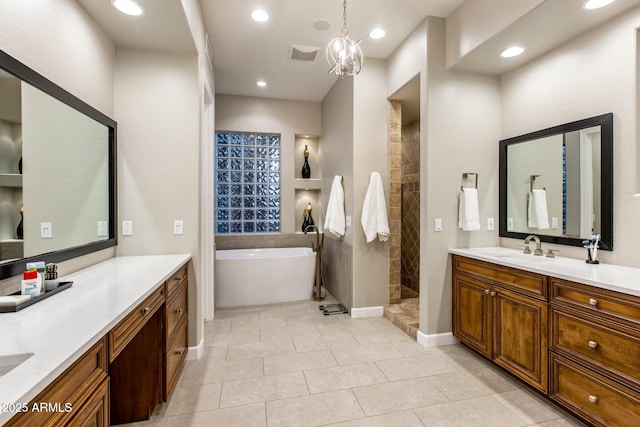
<point x="590" y="75"/>
<point x="288" y="118"/>
<point x="370" y="154"/>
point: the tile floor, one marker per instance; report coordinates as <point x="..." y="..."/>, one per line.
<point x="288" y="365"/>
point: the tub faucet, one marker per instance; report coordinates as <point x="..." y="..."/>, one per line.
<point x="538" y="250"/>
<point x="315" y="246"/>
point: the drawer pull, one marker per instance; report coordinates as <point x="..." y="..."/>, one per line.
<point x="593" y="344"/>
<point x="493" y="294"/>
<point x="593" y="302"/>
<point x="145" y="311"/>
<point x="486" y="291"/>
<point x="593" y="399"/>
<point x="178" y="352"/>
<point x="179" y="311"/>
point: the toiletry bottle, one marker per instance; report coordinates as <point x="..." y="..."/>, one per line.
<point x="39" y="267"/>
<point x="30" y="283"/>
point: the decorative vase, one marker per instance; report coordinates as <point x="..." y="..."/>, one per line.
<point x="309" y="217"/>
<point x="304" y="220"/>
<point x="19" y="230"/>
<point x="306" y="170"/>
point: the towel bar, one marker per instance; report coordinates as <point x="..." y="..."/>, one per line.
<point x="532" y="181"/>
<point x="466" y="176"/>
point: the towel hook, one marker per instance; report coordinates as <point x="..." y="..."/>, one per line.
<point x="465" y="176"/>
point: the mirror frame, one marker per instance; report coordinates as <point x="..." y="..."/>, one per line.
<point x="605" y="121"/>
<point x="26" y="74"/>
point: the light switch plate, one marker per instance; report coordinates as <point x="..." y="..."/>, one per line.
<point x="348" y="221"/>
<point x="554" y="222"/>
<point x="437" y="224"/>
<point x="46" y="231"/>
<point x="127" y="228"/>
<point x="509" y="224"/>
<point x="178" y="227"/>
<point x="490" y="224"/>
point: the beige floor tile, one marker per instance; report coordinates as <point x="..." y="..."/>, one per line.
<point x="236" y="314"/>
<point x="260" y="349"/>
<point x="463" y="358"/>
<point x="242" y="392"/>
<point x="562" y="422"/>
<point x="320" y="342"/>
<point x="345" y="327"/>
<point x="210" y="356"/>
<point x="298" y="362"/>
<point x="395" y="419"/>
<point x="187" y="399"/>
<point x="194" y="373"/>
<point x="397" y="396"/>
<point x="366" y="353"/>
<point x="217" y="327"/>
<point x="475" y="383"/>
<point x="415" y="367"/>
<point x="376" y="336"/>
<point x="224" y="340"/>
<point x="476" y="412"/>
<point x="314" y="410"/>
<point x="241" y="416"/>
<point x="528" y="406"/>
<point x="241" y="325"/>
<point x="343" y="377"/>
<point x="289" y="332"/>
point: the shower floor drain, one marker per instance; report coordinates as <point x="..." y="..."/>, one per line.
<point x="328" y="309"/>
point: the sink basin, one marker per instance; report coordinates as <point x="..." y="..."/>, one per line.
<point x="10" y="361"/>
<point x="527" y="258"/>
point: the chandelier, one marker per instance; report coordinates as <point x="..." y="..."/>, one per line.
<point x="343" y="53"/>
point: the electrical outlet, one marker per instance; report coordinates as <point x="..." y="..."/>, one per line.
<point x="178" y="226"/>
<point x="437" y="224"/>
<point x="103" y="229"/>
<point x="554" y="223"/>
<point x="490" y="224"/>
<point x="46" y="230"/>
<point x="127" y="228"/>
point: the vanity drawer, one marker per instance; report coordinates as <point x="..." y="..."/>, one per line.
<point x="592" y="396"/>
<point x="516" y="280"/>
<point x="616" y="306"/>
<point x="177" y="309"/>
<point x="178" y="277"/>
<point x="72" y="388"/>
<point x="127" y="329"/>
<point x="613" y="349"/>
<point x="174" y="358"/>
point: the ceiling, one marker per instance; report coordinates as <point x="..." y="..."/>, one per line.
<point x="245" y="51"/>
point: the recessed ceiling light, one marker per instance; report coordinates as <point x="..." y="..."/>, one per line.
<point x="260" y="15"/>
<point x="378" y="33"/>
<point x="597" y="4"/>
<point x="512" y="51"/>
<point x="128" y="7"/>
<point x="261" y="83"/>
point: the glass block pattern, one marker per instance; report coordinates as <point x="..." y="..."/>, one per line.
<point x="247" y="183"/>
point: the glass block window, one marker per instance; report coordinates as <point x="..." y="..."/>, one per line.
<point x="247" y="182"/>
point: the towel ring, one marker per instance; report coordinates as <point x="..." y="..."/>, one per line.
<point x="465" y="176"/>
<point x="532" y="181"/>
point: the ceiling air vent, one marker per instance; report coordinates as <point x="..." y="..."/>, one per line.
<point x="303" y="53"/>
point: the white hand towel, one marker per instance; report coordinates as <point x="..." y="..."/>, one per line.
<point x="468" y="211"/>
<point x="374" y="211"/>
<point x="334" y="221"/>
<point x="537" y="210"/>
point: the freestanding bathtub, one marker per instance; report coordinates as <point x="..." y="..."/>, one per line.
<point x="263" y="276"/>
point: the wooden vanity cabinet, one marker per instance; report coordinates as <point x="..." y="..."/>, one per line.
<point x="501" y="312"/>
<point x="176" y="329"/>
<point x="78" y="397"/>
<point x="595" y="352"/>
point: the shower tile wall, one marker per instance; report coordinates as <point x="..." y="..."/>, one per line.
<point x="410" y="241"/>
<point x="395" y="200"/>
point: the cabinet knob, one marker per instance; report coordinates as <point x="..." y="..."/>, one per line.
<point x="593" y="344"/>
<point x="486" y="291"/>
<point x="493" y="294"/>
<point x="179" y="311"/>
<point x="178" y="352"/>
<point x="593" y="399"/>
<point x="145" y="310"/>
<point x="593" y="302"/>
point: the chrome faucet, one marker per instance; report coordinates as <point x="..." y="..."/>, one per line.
<point x="538" y="250"/>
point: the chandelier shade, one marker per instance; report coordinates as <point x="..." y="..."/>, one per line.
<point x="343" y="53"/>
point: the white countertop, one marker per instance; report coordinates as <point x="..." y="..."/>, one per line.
<point x="61" y="328"/>
<point x="606" y="276"/>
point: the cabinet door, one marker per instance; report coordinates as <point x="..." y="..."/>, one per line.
<point x="520" y="337"/>
<point x="472" y="313"/>
<point x="95" y="413"/>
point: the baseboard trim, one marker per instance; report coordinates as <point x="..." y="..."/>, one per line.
<point x="436" y="340"/>
<point x="195" y="352"/>
<point x="367" y="312"/>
